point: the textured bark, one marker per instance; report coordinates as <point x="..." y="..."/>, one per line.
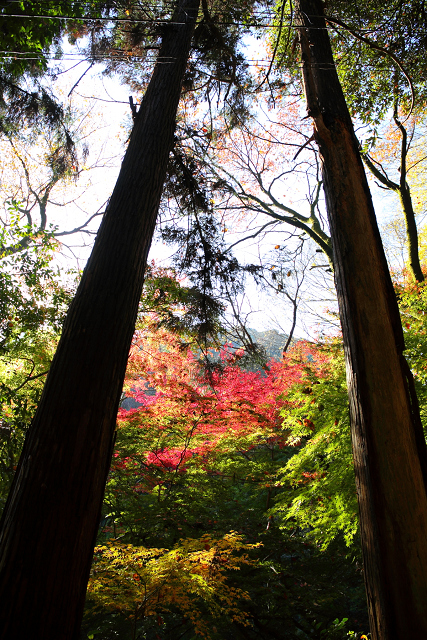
<point x="388" y="445"/>
<point x="51" y="518"/>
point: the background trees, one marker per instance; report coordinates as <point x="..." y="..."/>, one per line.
<point x="283" y="477"/>
<point x="110" y="288"/>
<point x="351" y="218"/>
<point x="137" y="195"/>
<point x="205" y="452"/>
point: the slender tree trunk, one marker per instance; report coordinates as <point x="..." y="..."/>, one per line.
<point x="407" y="206"/>
<point x="388" y="445"/>
<point x="51" y="518"/>
<point x="404" y="192"/>
<point x="411" y="232"/>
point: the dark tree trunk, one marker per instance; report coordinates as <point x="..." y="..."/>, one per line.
<point x="388" y="444"/>
<point x="51" y="518"/>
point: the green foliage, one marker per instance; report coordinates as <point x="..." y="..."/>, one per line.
<point x="296" y="498"/>
<point x="215" y="67"/>
<point x="318" y="493"/>
<point x="372" y="72"/>
<point x="29" y="32"/>
<point x="32" y="307"/>
<point x="376" y="46"/>
<point x="183" y="309"/>
<point x="413" y="309"/>
<point x="191" y="464"/>
<point x="319" y="487"/>
<point x="29" y="38"/>
<point x="29" y="292"/>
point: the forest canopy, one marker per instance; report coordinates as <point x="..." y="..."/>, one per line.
<point x="211" y="323"/>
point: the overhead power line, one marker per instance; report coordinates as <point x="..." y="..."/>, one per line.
<point x="157" y="21"/>
<point x="4" y="55"/>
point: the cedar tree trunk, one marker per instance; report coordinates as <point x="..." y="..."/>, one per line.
<point x="52" y="514"/>
<point x="388" y="445"/>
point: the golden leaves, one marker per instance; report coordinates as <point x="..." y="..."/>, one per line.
<point x="141" y="582"/>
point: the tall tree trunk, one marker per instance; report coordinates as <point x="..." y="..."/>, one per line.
<point x="52" y="514"/>
<point x="389" y="448"/>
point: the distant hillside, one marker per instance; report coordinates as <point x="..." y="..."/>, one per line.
<point x="272" y="341"/>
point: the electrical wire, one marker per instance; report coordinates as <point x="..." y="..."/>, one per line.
<point x="248" y="24"/>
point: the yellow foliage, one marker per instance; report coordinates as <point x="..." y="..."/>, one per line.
<point x="140" y="582"/>
<point x="422" y="244"/>
<point x="388" y="149"/>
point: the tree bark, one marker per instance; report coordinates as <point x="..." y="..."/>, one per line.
<point x="51" y="518"/>
<point x="388" y="444"/>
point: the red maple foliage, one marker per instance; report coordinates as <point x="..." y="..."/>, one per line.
<point x="193" y="415"/>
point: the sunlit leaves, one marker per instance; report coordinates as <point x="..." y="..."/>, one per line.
<point x="190" y="578"/>
<point x="318" y="482"/>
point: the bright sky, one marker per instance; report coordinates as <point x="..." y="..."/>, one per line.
<point x="105" y="121"/>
